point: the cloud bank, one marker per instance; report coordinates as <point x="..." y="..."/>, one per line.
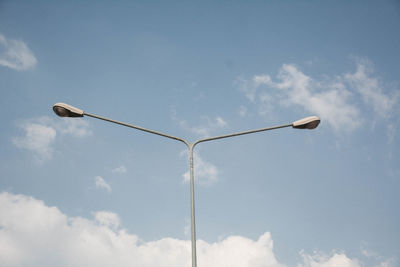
<point x="34" y="234"/>
<point x="15" y="54"/>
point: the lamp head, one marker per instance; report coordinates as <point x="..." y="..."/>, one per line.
<point x="65" y="110"/>
<point x="307" y="123"/>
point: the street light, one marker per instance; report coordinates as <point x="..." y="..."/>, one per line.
<point x="65" y="110"/>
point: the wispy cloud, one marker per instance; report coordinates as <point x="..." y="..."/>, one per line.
<point x="323" y="260"/>
<point x="208" y="126"/>
<point x="335" y="99"/>
<point x="205" y="128"/>
<point x="40" y="134"/>
<point x="120" y="170"/>
<point x="374" y="256"/>
<point x="107" y="218"/>
<point x="370" y="89"/>
<point x="75" y="127"/>
<point x="15" y="54"/>
<point x="101" y="183"/>
<point x="38" y="138"/>
<point x="31" y="231"/>
<point x="332" y="104"/>
<point x="205" y="173"/>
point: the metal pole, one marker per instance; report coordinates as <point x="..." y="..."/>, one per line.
<point x="194" y="257"/>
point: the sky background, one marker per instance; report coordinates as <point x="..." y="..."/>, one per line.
<point x="83" y="192"/>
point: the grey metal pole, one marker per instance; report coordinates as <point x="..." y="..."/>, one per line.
<point x="193" y="220"/>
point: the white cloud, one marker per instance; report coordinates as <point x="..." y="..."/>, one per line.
<point x="296" y="88"/>
<point x="205" y="173"/>
<point x="368" y="253"/>
<point x="321" y="260"/>
<point x="388" y="263"/>
<point x="206" y="128"/>
<point x="40" y="134"/>
<point x="261" y="79"/>
<point x="101" y="183"/>
<point x="333" y="99"/>
<point x="38" y="138"/>
<point x="107" y="218"/>
<point x="249" y="90"/>
<point x="120" y="170"/>
<point x="375" y="257"/>
<point x="34" y="234"/>
<point x="220" y="122"/>
<point x="239" y="251"/>
<point x="75" y="127"/>
<point x="15" y="54"/>
<point x="369" y="88"/>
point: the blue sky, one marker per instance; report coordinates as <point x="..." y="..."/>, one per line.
<point x="83" y="192"/>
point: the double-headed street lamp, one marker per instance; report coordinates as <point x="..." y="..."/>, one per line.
<point x="65" y="110"/>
